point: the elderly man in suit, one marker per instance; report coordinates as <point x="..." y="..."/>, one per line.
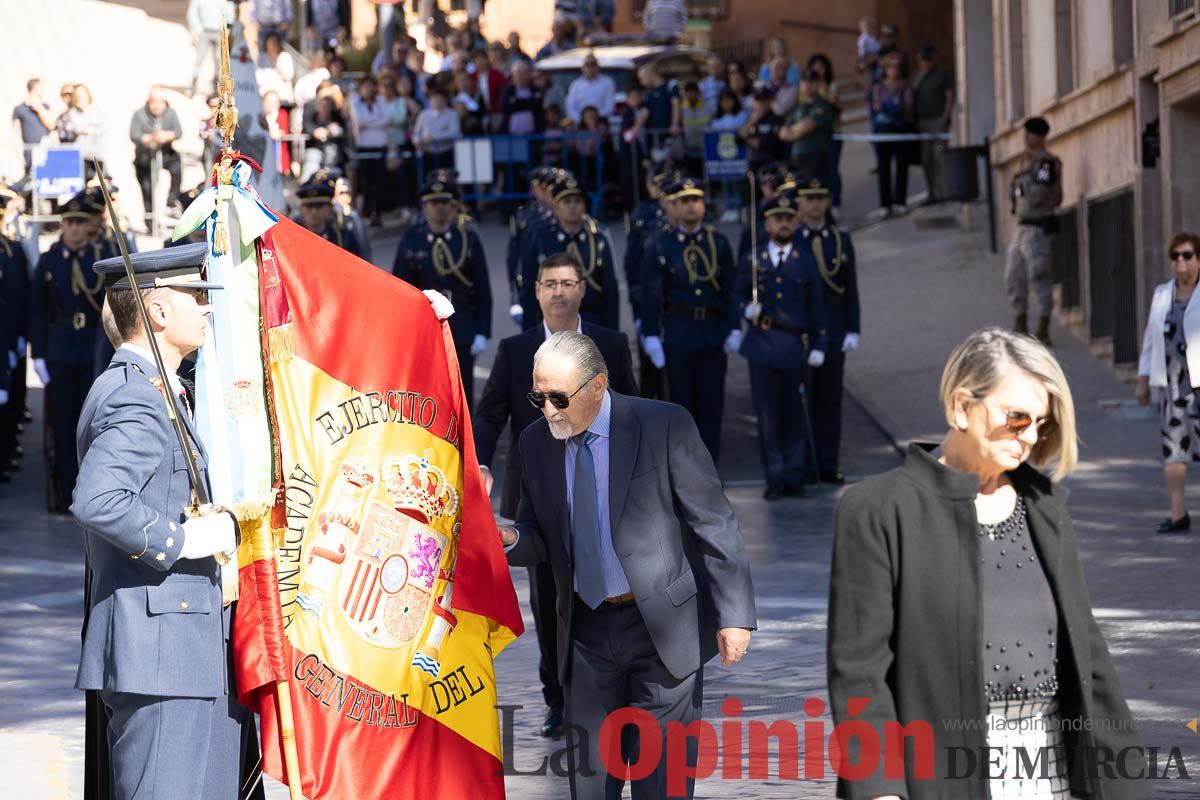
<point x="620" y="496"/>
<point x="560" y="288"/>
<point x="156" y="642"/>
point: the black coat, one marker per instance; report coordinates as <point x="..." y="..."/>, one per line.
<point x="905" y="626"/>
<point x="512" y="378"/>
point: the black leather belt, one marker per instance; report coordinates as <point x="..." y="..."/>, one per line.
<point x="766" y="322"/>
<point x="698" y="313"/>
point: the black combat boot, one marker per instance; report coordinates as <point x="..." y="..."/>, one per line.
<point x="1043" y="330"/>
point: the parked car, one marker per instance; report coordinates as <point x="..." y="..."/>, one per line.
<point x="621" y="62"/>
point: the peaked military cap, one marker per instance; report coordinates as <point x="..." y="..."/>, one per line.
<point x="811" y="186"/>
<point x="566" y="186"/>
<point x="683" y="187"/>
<point x="316" y="191"/>
<point x="782" y="203"/>
<point x="181" y="267"/>
<point x="440" y="185"/>
<point x="78" y="207"/>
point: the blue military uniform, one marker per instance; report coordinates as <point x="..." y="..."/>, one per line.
<point x="451" y="261"/>
<point x="833" y="253"/>
<point x="156" y="637"/>
<point x="777" y="344"/>
<point x="687" y="299"/>
<point x="648" y="220"/>
<point x="65" y="302"/>
<point x="523" y="220"/>
<point x="602" y="299"/>
<point x="14" y="332"/>
<point x="319" y="190"/>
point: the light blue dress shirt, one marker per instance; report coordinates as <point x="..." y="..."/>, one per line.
<point x="615" y="582"/>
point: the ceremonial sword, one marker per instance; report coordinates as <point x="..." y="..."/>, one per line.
<point x="200" y="496"/>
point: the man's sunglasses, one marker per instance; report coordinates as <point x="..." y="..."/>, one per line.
<point x="559" y="400"/>
<point x="1183" y="255"/>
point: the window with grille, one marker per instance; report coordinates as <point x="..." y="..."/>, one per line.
<point x="1178" y="8"/>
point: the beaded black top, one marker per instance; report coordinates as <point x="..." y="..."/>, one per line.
<point x="1020" y="620"/>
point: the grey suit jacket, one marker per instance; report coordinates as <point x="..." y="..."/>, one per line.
<point x="156" y="625"/>
<point x="673" y="529"/>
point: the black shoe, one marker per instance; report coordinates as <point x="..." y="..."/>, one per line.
<point x="834" y="477"/>
<point x="552" y="727"/>
<point x="794" y="491"/>
<point x="1181" y="525"/>
<point x="773" y="493"/>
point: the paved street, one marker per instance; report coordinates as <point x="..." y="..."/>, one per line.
<point x="1142" y="586"/>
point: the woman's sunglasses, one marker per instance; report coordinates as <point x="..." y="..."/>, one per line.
<point x="1017" y="422"/>
<point x="1183" y="255"/>
<point x="560" y="400"/>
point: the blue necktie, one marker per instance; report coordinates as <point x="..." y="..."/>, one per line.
<point x="585" y="526"/>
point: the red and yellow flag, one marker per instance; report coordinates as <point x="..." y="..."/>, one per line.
<point x="381" y="594"/>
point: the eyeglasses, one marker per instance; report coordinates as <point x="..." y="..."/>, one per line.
<point x="552" y="286"/>
<point x="1183" y="255"/>
<point x="559" y="400"/>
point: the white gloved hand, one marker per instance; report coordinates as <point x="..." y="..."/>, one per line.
<point x="654" y="349"/>
<point x="206" y="536"/>
<point x="442" y="306"/>
<point x="733" y="342"/>
<point x="516" y="313"/>
<point x="816" y="358"/>
<point x="753" y="310"/>
<point x="479" y="344"/>
<point x="43" y="372"/>
<point x="850" y="343"/>
<point x="3" y="397"/>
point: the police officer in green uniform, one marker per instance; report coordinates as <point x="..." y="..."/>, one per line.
<point x="317" y="215"/>
<point x="442" y="252"/>
<point x="573" y="231"/>
<point x="833" y="254"/>
<point x="688" y="310"/>
<point x="65" y="301"/>
<point x="786" y="336"/>
<point x="1035" y="193"/>
<point x="810" y="129"/>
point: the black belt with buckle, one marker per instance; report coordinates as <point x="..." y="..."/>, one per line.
<point x="768" y="323"/>
<point x="697" y="313"/>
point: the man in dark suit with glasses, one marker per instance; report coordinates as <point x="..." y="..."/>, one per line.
<point x="559" y="289"/>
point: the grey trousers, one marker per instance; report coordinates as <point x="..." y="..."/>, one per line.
<point x="174" y="746"/>
<point x="614" y="665"/>
<point x="1029" y="262"/>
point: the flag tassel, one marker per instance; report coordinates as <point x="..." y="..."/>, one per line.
<point x="287" y="732"/>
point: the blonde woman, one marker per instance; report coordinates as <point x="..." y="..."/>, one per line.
<point x="957" y="602"/>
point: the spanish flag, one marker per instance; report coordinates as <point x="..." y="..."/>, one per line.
<point x="378" y="590"/>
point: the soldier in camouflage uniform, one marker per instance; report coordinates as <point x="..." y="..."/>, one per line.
<point x="1035" y="192"/>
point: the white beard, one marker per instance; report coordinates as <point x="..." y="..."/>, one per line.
<point x="560" y="430"/>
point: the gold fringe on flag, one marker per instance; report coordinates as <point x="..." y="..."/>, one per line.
<point x="281" y="342"/>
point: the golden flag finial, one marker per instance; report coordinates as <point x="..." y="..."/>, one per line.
<point x="227" y="115"/>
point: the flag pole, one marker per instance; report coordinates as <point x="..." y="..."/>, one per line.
<point x="226" y="118"/>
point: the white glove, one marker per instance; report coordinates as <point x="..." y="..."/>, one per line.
<point x="516" y="313"/>
<point x="43" y="372"/>
<point x="733" y="342"/>
<point x="442" y="307"/>
<point x="816" y="358"/>
<point x="753" y="310"/>
<point x="3" y="397"/>
<point x="850" y="343"/>
<point x="478" y="344"/>
<point x="208" y="535"/>
<point x="654" y="349"/>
